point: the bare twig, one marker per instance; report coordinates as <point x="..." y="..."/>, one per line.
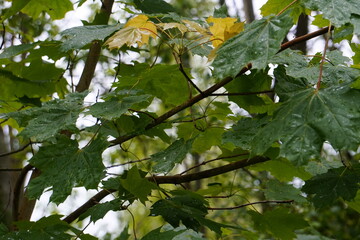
<point x="241" y="93"/>
<point x="253" y="203"/>
<point x="16" y="151"/>
<point x="212" y="160"/>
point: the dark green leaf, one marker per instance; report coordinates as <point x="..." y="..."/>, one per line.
<point x="242" y="133"/>
<point x="78" y="37"/>
<point x="259" y="41"/>
<point x="309" y="118"/>
<point x="336" y="183"/>
<point x="117" y="105"/>
<point x="185" y="207"/>
<point x="175" y="153"/>
<point x="338" y="12"/>
<point x="166" y="235"/>
<point x="78" y="167"/>
<point x="46" y="228"/>
<point x="279" y="222"/>
<point x="257" y="81"/>
<point x="44" y="123"/>
<point x="153" y="6"/>
<point x="100" y="210"/>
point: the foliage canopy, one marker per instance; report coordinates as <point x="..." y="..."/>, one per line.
<point x="213" y="125"/>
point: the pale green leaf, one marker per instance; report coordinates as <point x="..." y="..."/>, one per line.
<point x="78" y="167"/>
<point x="16" y="6"/>
<point x="171" y="88"/>
<point x="276" y="6"/>
<point x="55" y="8"/>
<point x="276" y="190"/>
<point x="137" y="185"/>
<point x="259" y="41"/>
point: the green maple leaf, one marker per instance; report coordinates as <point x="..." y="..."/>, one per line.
<point x="275" y="6"/>
<point x="55" y="8"/>
<point x="308" y="118"/>
<point x="338" y="12"/>
<point x="339" y="182"/>
<point x="64" y="166"/>
<point x="100" y="210"/>
<point x="259" y="41"/>
<point x="44" y="123"/>
<point x="175" y="153"/>
<point x="165" y="235"/>
<point x="78" y="37"/>
<point x="117" y="104"/>
<point x="185" y="207"/>
<point x="282" y="191"/>
<point x="137" y="184"/>
<point x="171" y="88"/>
<point x="279" y="222"/>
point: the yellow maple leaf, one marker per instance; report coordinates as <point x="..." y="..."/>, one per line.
<point x="146" y="27"/>
<point x="165" y="26"/>
<point x="136" y="30"/>
<point x="223" y="28"/>
<point x="196" y="27"/>
<point x="127" y="35"/>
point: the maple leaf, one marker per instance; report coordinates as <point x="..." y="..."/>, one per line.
<point x="196" y="27"/>
<point x="223" y="29"/>
<point x="136" y="30"/>
<point x="165" y="26"/>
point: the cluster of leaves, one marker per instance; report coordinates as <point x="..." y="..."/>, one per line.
<point x="316" y="107"/>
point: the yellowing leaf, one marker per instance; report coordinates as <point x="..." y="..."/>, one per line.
<point x="223" y="29"/>
<point x="165" y="26"/>
<point x="146" y="27"/>
<point x="196" y="27"/>
<point x="128" y="36"/>
<point x="136" y="30"/>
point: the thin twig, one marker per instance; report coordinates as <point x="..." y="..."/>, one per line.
<point x="10" y="169"/>
<point x="3" y="35"/>
<point x="318" y="84"/>
<point x="181" y="68"/>
<point x="241" y="93"/>
<point x="253" y="203"/>
<point x="212" y="160"/>
<point x="129" y="162"/>
<point x="16" y="151"/>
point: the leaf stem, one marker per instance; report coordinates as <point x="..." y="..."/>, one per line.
<point x="288" y="6"/>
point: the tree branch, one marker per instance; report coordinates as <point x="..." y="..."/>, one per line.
<point x="248" y="204"/>
<point x="16" y="151"/>
<point x="95" y="49"/>
<point x="176" y="179"/>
